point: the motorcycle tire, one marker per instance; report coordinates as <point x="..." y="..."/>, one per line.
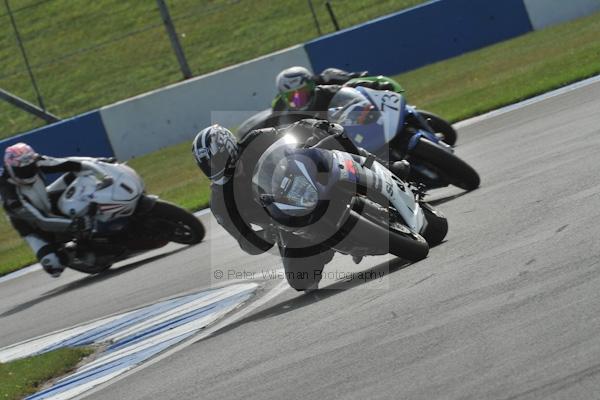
<point x="396" y="239"/>
<point x="440" y="125"/>
<point x="188" y="230"/>
<point x="437" y="225"/>
<point x="303" y="273"/>
<point x="455" y="170"/>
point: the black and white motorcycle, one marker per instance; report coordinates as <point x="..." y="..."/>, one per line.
<point x="126" y="221"/>
<point x="340" y="201"/>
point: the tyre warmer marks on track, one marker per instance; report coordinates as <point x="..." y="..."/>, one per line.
<point x="131" y="338"/>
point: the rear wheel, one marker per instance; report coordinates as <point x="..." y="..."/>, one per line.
<point x="452" y="168"/>
<point x="440" y="125"/>
<point x="175" y="223"/>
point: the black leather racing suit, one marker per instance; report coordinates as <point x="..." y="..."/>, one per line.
<point x="233" y="205"/>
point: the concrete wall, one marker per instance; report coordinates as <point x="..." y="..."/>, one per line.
<point x="176" y="113"/>
<point x="421" y="35"/>
<point x="543" y="13"/>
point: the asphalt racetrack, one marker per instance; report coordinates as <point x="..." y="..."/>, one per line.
<point x="508" y="307"/>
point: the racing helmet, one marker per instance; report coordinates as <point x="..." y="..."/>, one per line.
<point x="20" y="163"/>
<point x="215" y="150"/>
<point x="296" y="87"/>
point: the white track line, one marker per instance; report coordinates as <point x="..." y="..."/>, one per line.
<point x="235" y="317"/>
<point x="543" y="97"/>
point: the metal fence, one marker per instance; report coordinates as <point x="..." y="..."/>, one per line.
<point x="84" y="54"/>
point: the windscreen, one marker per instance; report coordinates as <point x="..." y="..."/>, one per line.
<point x="349" y="107"/>
<point x="282" y="178"/>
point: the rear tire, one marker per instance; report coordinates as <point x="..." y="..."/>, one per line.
<point x="440" y="125"/>
<point x="187" y="229"/>
<point x="455" y="170"/>
<point x="437" y="225"/>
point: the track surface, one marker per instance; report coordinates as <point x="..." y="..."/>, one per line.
<point x="507" y="308"/>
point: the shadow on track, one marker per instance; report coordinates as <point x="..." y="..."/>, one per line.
<point x="436" y="202"/>
<point x="88" y="280"/>
<point x="303" y="300"/>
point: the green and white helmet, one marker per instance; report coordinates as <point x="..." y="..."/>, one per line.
<point x="296" y="87"/>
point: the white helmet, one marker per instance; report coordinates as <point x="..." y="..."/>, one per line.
<point x="20" y="160"/>
<point x="215" y="150"/>
<point x="296" y="86"/>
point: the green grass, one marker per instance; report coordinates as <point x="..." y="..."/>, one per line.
<point x="457" y="88"/>
<point x="172" y="173"/>
<point x="20" y="378"/>
<point x="73" y="78"/>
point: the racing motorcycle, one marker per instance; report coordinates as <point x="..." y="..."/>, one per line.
<point x="127" y="221"/>
<point x="341" y="201"/>
<point x="269" y="118"/>
<point x="382" y="123"/>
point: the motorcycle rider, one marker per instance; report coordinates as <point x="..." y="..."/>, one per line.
<point x="31" y="207"/>
<point x="229" y="165"/>
<point x="299" y="90"/>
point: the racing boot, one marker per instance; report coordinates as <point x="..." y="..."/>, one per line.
<point x="46" y="254"/>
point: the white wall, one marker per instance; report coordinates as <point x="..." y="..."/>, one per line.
<point x="176" y="113"/>
<point x="544" y="13"/>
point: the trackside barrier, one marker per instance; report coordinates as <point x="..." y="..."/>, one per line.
<point x="543" y="13"/>
<point x="388" y="45"/>
<point x="83" y="135"/>
<point x="176" y="113"/>
<point x="419" y="36"/>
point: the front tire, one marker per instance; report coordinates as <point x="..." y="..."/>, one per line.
<point x="455" y="170"/>
<point x="303" y="273"/>
<point x="440" y="125"/>
<point x="387" y="236"/>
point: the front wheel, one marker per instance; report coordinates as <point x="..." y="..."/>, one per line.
<point x="386" y="235"/>
<point x="175" y="223"/>
<point x="303" y="273"/>
<point x="441" y="126"/>
<point x="452" y="168"/>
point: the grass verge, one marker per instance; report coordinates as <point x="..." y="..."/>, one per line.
<point x="457" y="88"/>
<point x="20" y="378"/>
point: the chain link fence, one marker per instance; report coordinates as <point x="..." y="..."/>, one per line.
<point x="85" y="54"/>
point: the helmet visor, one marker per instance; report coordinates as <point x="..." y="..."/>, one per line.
<point x="298" y="98"/>
<point x="26" y="172"/>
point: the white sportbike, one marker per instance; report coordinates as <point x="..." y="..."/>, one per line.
<point x="125" y="220"/>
